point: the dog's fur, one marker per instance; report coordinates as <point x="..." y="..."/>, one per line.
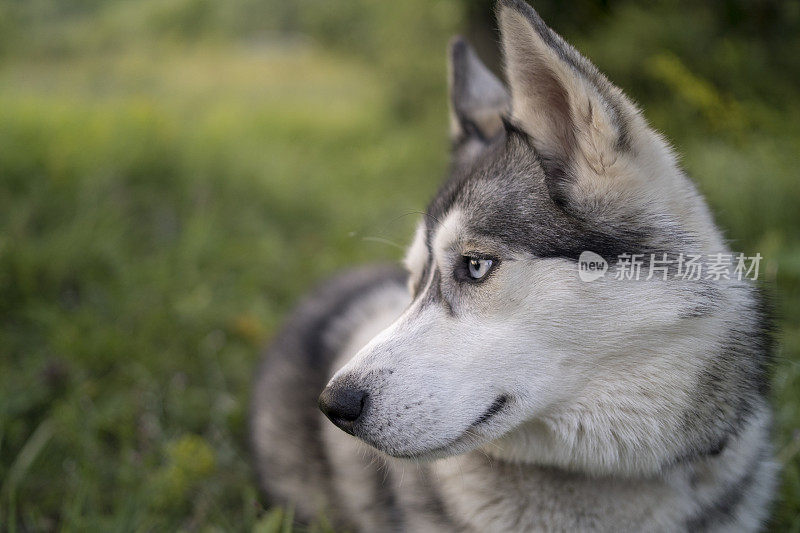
<point x="531" y="400"/>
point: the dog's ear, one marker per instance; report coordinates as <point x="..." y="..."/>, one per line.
<point x="570" y="112"/>
<point x="478" y="100"/>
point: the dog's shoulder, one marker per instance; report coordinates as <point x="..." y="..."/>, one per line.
<point x="321" y="322"/>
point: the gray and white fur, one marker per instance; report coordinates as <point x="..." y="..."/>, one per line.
<point x="528" y="400"/>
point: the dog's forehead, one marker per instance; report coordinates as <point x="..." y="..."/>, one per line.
<point x="503" y="196"/>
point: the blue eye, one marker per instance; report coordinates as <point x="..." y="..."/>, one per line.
<point x="478" y="267"/>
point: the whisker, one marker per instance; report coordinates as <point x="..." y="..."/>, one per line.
<point x="383" y="241"/>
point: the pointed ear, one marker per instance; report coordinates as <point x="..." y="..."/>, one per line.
<point x="566" y="106"/>
<point x="478" y="100"/>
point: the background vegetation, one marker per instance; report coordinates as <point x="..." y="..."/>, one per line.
<point x="174" y="173"/>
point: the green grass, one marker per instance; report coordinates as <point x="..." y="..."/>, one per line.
<point x="156" y="224"/>
<point x="162" y="206"/>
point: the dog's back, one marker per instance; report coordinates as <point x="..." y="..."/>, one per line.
<point x="287" y="432"/>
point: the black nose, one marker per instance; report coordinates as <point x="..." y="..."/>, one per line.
<point x="342" y="405"/>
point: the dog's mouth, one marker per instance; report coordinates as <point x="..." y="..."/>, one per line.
<point x="493" y="409"/>
<point x="460" y="443"/>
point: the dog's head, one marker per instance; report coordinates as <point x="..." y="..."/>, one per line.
<point x="503" y="346"/>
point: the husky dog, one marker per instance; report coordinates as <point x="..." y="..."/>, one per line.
<point x="489" y="388"/>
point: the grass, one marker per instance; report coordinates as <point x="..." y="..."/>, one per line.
<point x="162" y="207"/>
<point x="157" y="222"/>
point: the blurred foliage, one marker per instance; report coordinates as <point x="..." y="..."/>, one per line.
<point x="175" y="173"/>
<point x="188" y="461"/>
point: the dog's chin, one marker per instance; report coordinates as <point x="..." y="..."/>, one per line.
<point x="483" y="430"/>
<point x="457" y="446"/>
